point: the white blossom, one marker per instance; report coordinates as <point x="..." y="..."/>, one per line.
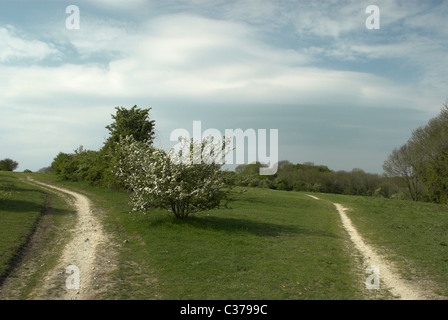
<point x="174" y="181"/>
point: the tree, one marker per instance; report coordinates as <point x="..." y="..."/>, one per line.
<point x="240" y="168"/>
<point x="46" y="170"/>
<point x="133" y="122"/>
<point x="97" y="167"/>
<point x="431" y="154"/>
<point x="254" y="168"/>
<point x="64" y="165"/>
<point x="422" y="163"/>
<point x="8" y="165"/>
<point x="173" y="181"/>
<point x="402" y="163"/>
<point x="282" y="163"/>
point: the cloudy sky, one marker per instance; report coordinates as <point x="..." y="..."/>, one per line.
<point x="339" y="94"/>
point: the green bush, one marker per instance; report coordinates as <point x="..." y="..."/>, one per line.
<point x="8" y="165"/>
<point x="97" y="167"/>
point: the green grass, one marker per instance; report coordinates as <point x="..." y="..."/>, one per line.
<point x="268" y="245"/>
<point x="18" y="216"/>
<point x="260" y="249"/>
<point x="26" y="207"/>
<point x="413" y="235"/>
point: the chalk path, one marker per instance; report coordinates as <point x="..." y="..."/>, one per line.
<point x="399" y="287"/>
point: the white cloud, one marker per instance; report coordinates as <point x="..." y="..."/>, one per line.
<point x="15" y="48"/>
<point x="120" y="4"/>
<point x="188" y="57"/>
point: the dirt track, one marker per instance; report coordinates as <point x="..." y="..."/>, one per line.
<point x="80" y="252"/>
<point x="389" y="278"/>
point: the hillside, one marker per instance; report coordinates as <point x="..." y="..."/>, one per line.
<point x="267" y="244"/>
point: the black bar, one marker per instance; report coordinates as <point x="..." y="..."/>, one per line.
<point x="219" y="309"/>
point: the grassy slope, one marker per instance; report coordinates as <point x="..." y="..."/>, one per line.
<point x="269" y="245"/>
<point x="414" y="235"/>
<point x="19" y="216"/>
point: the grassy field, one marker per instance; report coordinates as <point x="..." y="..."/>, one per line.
<point x="21" y="212"/>
<point x="267" y="245"/>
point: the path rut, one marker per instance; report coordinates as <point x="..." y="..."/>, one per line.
<point x="80" y="252"/>
<point x="399" y="287"/>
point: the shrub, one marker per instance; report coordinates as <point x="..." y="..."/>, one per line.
<point x="8" y="165"/>
<point x="171" y="181"/>
<point x="45" y="170"/>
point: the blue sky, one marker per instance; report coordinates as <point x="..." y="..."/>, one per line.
<point x="339" y="94"/>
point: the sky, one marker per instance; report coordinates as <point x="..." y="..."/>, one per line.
<point x="340" y="94"/>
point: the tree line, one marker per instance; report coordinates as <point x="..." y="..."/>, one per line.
<point x="420" y="166"/>
<point x="418" y="170"/>
<point x="316" y="178"/>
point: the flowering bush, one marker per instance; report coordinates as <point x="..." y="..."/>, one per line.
<point x="182" y="181"/>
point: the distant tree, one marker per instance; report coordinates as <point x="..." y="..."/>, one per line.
<point x="250" y="169"/>
<point x="46" y="170"/>
<point x="281" y="184"/>
<point x="133" y="122"/>
<point x="8" y="165"/>
<point x="254" y="168"/>
<point x="64" y="164"/>
<point x="96" y="167"/>
<point x="282" y="163"/>
<point x="401" y="163"/>
<point x="422" y="163"/>
<point x="430" y="145"/>
<point x="240" y="168"/>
